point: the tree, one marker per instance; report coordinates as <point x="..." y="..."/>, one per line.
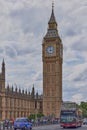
<point x="33" y="116"/>
<point x="83" y="107"/>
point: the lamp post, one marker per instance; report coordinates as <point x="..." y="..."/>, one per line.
<point x="35" y="114"/>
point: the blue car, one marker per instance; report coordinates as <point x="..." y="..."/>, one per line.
<point x="22" y="123"/>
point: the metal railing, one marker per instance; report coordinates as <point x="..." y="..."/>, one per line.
<point x="3" y="126"/>
<point x="34" y="124"/>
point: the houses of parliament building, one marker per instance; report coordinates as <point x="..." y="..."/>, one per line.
<point x="17" y="103"/>
<point x="20" y="103"/>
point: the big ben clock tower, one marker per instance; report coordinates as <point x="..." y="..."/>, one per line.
<point x="52" y="50"/>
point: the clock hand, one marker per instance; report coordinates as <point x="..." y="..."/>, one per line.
<point x="50" y="49"/>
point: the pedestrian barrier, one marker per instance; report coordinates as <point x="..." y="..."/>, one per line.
<point x="8" y="127"/>
<point x="34" y="124"/>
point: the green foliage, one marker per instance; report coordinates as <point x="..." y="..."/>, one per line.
<point x="83" y="106"/>
<point x="34" y="116"/>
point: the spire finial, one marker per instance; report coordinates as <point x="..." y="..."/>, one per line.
<point x="3" y="61"/>
<point x="52" y="4"/>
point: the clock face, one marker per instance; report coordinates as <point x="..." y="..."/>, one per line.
<point x="50" y="49"/>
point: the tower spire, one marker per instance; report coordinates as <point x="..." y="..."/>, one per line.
<point x="3" y="66"/>
<point x="52" y="25"/>
<point x="3" y="63"/>
<point x="52" y="18"/>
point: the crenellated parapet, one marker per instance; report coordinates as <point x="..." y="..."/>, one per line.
<point x="21" y="93"/>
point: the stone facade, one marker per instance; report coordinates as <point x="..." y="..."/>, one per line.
<point x="52" y="50"/>
<point x="17" y="103"/>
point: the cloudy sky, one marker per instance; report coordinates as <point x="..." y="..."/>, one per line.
<point x="23" y="24"/>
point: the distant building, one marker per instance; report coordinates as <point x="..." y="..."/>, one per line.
<point x="69" y="105"/>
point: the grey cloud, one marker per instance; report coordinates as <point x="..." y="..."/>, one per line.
<point x="24" y="51"/>
<point x="1" y="50"/>
<point x="39" y="79"/>
<point x="80" y="45"/>
<point x="10" y="52"/>
<point x="24" y="17"/>
<point x="69" y="89"/>
<point x="27" y="19"/>
<point x="70" y="32"/>
<point x="82" y="77"/>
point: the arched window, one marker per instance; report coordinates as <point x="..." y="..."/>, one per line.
<point x="48" y="67"/>
<point x="53" y="67"/>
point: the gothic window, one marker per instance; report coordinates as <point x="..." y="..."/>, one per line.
<point x="6" y="102"/>
<point x="15" y="102"/>
<point x="40" y="105"/>
<point x="48" y="67"/>
<point x="48" y="105"/>
<point x="53" y="68"/>
<point x="53" y="91"/>
<point x="21" y="103"/>
<point x="53" y="105"/>
<point x="35" y="104"/>
<point x="10" y="102"/>
<point x="25" y="103"/>
<point x="58" y="68"/>
<point x="48" y="80"/>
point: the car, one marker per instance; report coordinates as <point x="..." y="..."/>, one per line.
<point x="22" y="123"/>
<point x="85" y="121"/>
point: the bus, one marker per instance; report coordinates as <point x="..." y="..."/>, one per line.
<point x="70" y="117"/>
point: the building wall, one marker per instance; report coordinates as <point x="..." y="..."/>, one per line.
<point x="19" y="105"/>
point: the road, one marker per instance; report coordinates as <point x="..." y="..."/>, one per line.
<point x="57" y="127"/>
<point x="54" y="127"/>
